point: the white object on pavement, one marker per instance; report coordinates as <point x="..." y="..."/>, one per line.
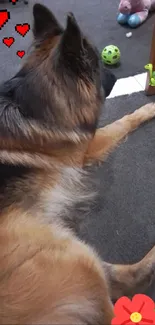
<point x="128" y="35"/>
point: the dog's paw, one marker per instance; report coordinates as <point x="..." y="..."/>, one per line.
<point x="147" y="111"/>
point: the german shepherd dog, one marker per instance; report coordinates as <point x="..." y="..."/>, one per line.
<point x="48" y="134"/>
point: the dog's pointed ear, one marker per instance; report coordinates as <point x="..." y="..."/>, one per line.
<point x="71" y="42"/>
<point x="44" y="21"/>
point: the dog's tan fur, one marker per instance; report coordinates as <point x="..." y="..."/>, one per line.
<point x="47" y="274"/>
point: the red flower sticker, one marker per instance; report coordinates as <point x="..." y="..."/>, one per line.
<point x="139" y="310"/>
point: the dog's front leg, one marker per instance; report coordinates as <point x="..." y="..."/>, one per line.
<point x="108" y="137"/>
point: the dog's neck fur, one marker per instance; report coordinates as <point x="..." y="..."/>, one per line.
<point x="49" y="194"/>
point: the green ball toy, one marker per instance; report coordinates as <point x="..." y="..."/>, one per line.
<point x="111" y="55"/>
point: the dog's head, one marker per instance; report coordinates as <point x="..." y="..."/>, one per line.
<point x="59" y="91"/>
<point x="70" y="51"/>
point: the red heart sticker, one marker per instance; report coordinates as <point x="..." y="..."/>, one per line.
<point x="22" y="29"/>
<point x="8" y="41"/>
<point x="4" y="17"/>
<point x="13" y="1"/>
<point x="20" y="54"/>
